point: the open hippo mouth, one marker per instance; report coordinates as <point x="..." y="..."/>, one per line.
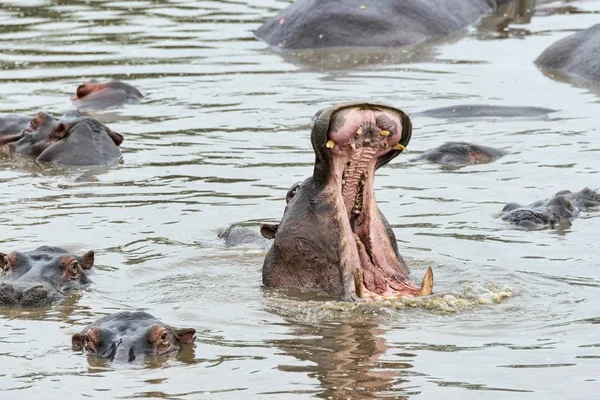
<point x="359" y="140"/>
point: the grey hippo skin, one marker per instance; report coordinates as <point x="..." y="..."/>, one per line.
<point x="577" y="55"/>
<point x="237" y="235"/>
<point x="41" y="277"/>
<point x="461" y="153"/>
<point x="468" y="111"/>
<point x="125" y="336"/>
<point x="313" y="24"/>
<point x="562" y="207"/>
<point x="69" y="140"/>
<point x="333" y="236"/>
<point x="93" y="95"/>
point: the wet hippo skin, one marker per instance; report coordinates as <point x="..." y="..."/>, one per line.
<point x="71" y="139"/>
<point x="461" y="153"/>
<point x="237" y="235"/>
<point x="93" y="95"/>
<point x="576" y="55"/>
<point x="333" y="236"/>
<point x="127" y="336"/>
<point x="42" y="276"/>
<point x="313" y="24"/>
<point x="562" y="207"/>
<point x="486" y="111"/>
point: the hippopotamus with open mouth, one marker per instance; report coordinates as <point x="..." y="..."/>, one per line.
<point x="332" y="235"/>
<point x="69" y="140"/>
<point x="126" y="335"/>
<point x="93" y="95"/>
<point x="42" y="276"/>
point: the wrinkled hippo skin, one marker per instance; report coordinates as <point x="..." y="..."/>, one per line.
<point x="126" y="336"/>
<point x="563" y="207"/>
<point x="333" y="236"/>
<point x="42" y="276"/>
<point x="461" y="153"/>
<point x="237" y="235"/>
<point x="313" y="24"/>
<point x="93" y="95"/>
<point x="468" y="111"/>
<point x="69" y="140"/>
<point x="576" y="56"/>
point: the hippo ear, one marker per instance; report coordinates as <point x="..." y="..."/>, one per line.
<point x="60" y="131"/>
<point x="116" y="137"/>
<point x="185" y="335"/>
<point x="269" y="230"/>
<point x="77" y="342"/>
<point x="3" y="260"/>
<point x="8" y="260"/>
<point x="87" y="260"/>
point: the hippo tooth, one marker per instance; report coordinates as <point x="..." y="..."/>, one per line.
<point x="358" y="132"/>
<point x="384" y="133"/>
<point x="353" y="146"/>
<point x="358" y="282"/>
<point x="427" y="284"/>
<point x="398" y="146"/>
<point x="330" y="144"/>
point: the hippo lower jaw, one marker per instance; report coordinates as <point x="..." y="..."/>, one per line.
<point x="366" y="242"/>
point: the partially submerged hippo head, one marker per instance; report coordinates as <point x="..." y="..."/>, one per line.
<point x="95" y="95"/>
<point x="127" y="335"/>
<point x="40" y="277"/>
<point x="69" y="140"/>
<point x="332" y="235"/>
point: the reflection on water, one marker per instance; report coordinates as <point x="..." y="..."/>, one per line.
<point x="221" y="135"/>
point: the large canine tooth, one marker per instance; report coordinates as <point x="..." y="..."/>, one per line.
<point x="384" y="133"/>
<point x="358" y="132"/>
<point x="358" y="282"/>
<point x="398" y="146"/>
<point x="427" y="284"/>
<point x="330" y="144"/>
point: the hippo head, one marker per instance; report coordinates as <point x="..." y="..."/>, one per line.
<point x="70" y="140"/>
<point x="40" y="277"/>
<point x="95" y="95"/>
<point x="332" y="235"/>
<point x="129" y="335"/>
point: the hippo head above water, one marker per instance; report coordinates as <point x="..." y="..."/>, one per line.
<point x="332" y="235"/>
<point x="69" y="140"/>
<point x="40" y="277"/>
<point x="128" y="335"/>
<point x="94" y="95"/>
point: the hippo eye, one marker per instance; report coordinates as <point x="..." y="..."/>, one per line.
<point x="74" y="269"/>
<point x="164" y="336"/>
<point x="33" y="125"/>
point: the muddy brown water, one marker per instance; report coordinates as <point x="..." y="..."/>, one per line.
<point x="220" y="137"/>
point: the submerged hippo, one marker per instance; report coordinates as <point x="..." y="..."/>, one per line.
<point x="313" y="24"/>
<point x="69" y="140"/>
<point x="472" y="111"/>
<point x="562" y="207"/>
<point x="576" y="56"/>
<point x="127" y="335"/>
<point x="42" y="276"/>
<point x="93" y="95"/>
<point x="332" y="235"/>
<point x="461" y="153"/>
<point x="237" y="235"/>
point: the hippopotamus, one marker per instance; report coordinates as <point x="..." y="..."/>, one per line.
<point x="472" y="111"/>
<point x="461" y="153"/>
<point x="71" y="139"/>
<point x="561" y="208"/>
<point x="93" y="95"/>
<point x="575" y="56"/>
<point x="237" y="235"/>
<point x="42" y="276"/>
<point x="127" y="335"/>
<point x="332" y="236"/>
<point x="314" y="24"/>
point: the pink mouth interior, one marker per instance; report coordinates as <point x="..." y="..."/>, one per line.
<point x="361" y="137"/>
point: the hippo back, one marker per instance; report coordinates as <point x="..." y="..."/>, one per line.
<point x="311" y="24"/>
<point x="575" y="55"/>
